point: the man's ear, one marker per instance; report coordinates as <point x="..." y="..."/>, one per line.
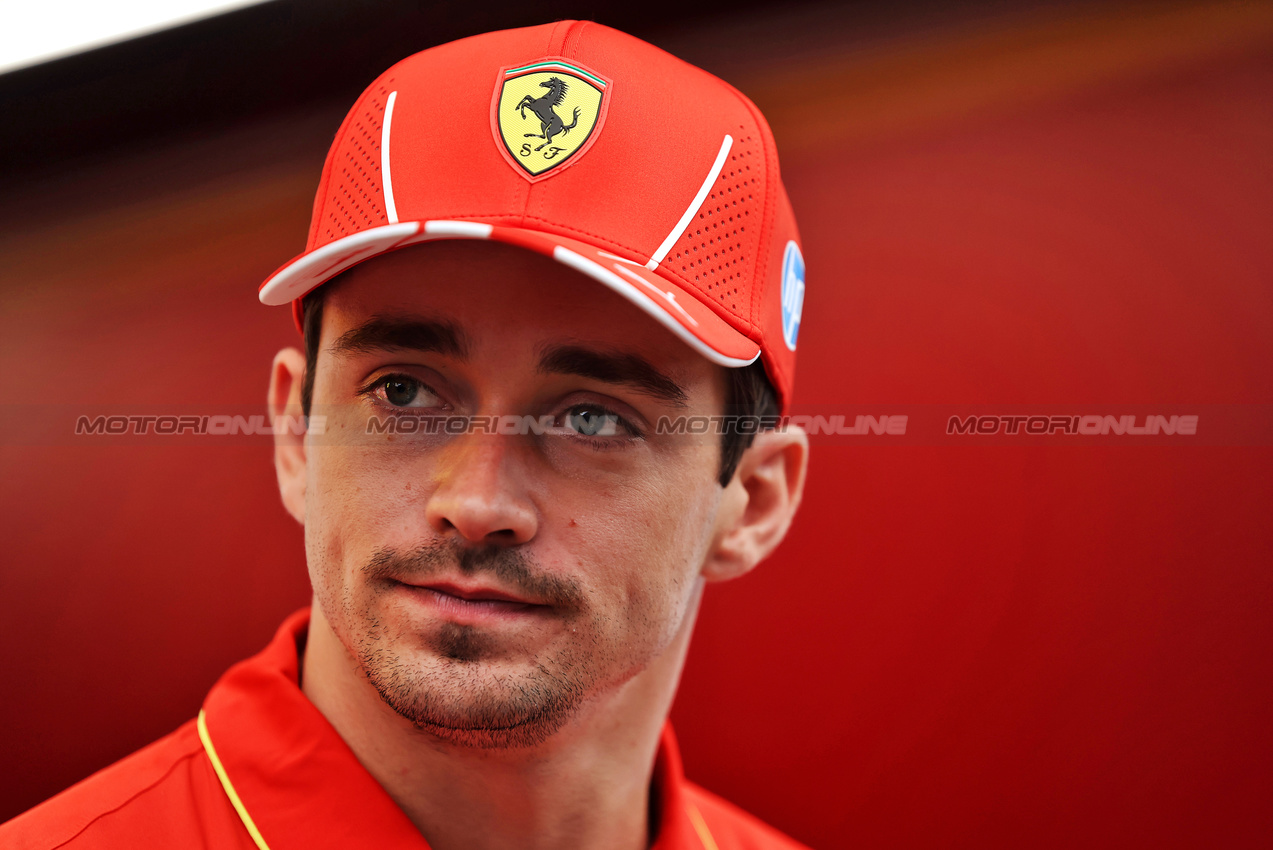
<point x="759" y="503"/>
<point x="287" y="376"/>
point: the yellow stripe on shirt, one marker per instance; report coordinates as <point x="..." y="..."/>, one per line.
<point x="700" y="826"/>
<point x="228" y="786"/>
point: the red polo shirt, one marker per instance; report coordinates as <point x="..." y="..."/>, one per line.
<point x="262" y="768"/>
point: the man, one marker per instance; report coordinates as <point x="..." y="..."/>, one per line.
<point x="535" y="256"/>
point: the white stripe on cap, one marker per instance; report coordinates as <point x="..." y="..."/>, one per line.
<point x="391" y="209"/>
<point x="461" y="229"/>
<point x="324" y="263"/>
<point x="596" y="271"/>
<point x="658" y="255"/>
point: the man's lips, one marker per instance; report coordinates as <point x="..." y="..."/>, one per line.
<point x="477" y="593"/>
<point x="467" y="602"/>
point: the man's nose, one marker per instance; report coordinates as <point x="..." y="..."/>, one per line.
<point x="481" y="492"/>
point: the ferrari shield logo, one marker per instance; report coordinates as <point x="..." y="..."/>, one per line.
<point x="547" y="114"/>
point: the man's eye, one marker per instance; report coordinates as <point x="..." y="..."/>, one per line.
<point x="594" y="422"/>
<point x="399" y="392"/>
<point x="402" y="391"/>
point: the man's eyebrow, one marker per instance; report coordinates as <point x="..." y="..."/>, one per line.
<point x="612" y="368"/>
<point x="388" y="333"/>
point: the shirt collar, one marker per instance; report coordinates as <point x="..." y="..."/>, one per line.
<point x="295" y="781"/>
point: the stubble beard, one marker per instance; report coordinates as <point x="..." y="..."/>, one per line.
<point x="442" y="682"/>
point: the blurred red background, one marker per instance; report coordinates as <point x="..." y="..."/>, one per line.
<point x="995" y="645"/>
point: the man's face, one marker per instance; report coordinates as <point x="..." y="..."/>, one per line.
<point x="488" y="585"/>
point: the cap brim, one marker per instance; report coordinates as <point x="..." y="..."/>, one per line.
<point x="668" y="304"/>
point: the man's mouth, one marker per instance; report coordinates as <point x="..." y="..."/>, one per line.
<point x="475" y="594"/>
<point x="475" y="601"/>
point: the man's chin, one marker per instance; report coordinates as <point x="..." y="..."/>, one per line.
<point x="482" y="703"/>
<point x="523" y="736"/>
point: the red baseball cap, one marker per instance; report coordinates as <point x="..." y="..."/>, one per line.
<point x="587" y="145"/>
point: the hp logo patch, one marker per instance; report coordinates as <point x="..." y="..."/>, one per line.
<point x="792" y="293"/>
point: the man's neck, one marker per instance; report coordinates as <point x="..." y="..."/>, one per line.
<point x="587" y="786"/>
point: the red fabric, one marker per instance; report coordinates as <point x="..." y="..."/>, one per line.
<point x="298" y="780"/>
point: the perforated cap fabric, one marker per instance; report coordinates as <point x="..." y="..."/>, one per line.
<point x="583" y="143"/>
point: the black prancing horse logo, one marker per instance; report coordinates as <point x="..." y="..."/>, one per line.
<point x="550" y="123"/>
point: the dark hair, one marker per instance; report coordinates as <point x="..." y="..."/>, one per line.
<point x="748" y="393"/>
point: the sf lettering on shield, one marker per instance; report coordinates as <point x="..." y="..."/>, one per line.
<point x="549" y="153"/>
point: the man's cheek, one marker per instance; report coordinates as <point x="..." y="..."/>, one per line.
<point x="355" y="498"/>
